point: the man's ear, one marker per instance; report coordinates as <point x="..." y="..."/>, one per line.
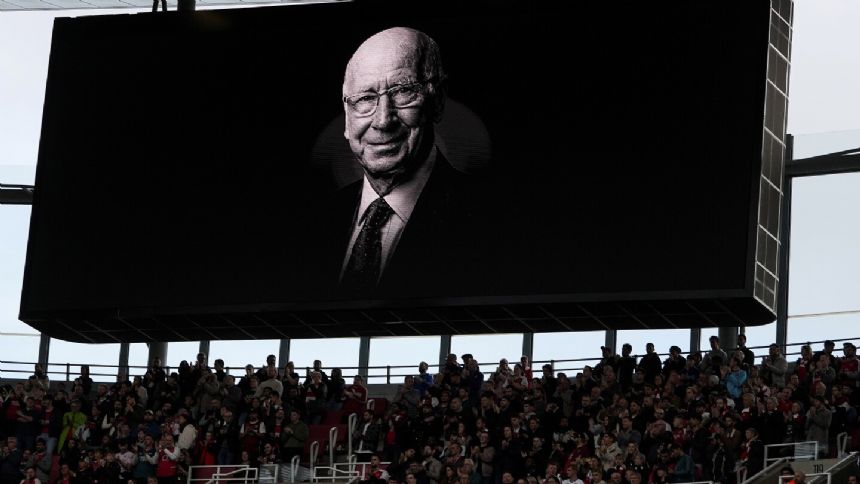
<point x="345" y="124"/>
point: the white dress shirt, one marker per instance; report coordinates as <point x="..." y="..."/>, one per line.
<point x="402" y="200"/>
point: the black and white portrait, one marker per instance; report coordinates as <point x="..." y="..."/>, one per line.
<point x="353" y="155"/>
<point x="407" y="214"/>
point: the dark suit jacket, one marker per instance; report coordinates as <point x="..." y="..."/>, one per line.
<point x="437" y="251"/>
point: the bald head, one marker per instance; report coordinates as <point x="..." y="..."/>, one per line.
<point x="392" y="98"/>
<point x="392" y="49"/>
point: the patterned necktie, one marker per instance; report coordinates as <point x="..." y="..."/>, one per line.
<point x="365" y="263"/>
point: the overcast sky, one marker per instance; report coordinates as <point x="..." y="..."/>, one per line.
<point x="824" y="98"/>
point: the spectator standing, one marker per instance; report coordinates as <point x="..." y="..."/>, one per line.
<point x="714" y="358"/>
<point x="335" y="391"/>
<point x="315" y="396"/>
<point x="752" y="453"/>
<point x="294" y="436"/>
<point x="73" y="421"/>
<point x="432" y="466"/>
<point x="356" y="396"/>
<point x="818" y="420"/>
<point x="608" y="358"/>
<point x="366" y="434"/>
<point x="674" y="362"/>
<point x="849" y="366"/>
<point x="10" y="462"/>
<point x="147" y="458"/>
<point x="774" y="367"/>
<point x="749" y="357"/>
<point x="270" y="381"/>
<point x="227" y="436"/>
<point x="827" y="351"/>
<point x="684" y="467"/>
<point x="41" y="460"/>
<point x="290" y="378"/>
<point x="484" y="455"/>
<point x="650" y="363"/>
<point x="626" y="366"/>
<point x="408" y="397"/>
<point x="735" y="379"/>
<point x="263" y="373"/>
<point x="168" y="455"/>
<point x="548" y="382"/>
<point x="423" y="380"/>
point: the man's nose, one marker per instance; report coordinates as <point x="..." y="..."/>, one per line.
<point x="386" y="113"/>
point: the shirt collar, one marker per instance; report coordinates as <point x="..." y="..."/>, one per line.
<point x="403" y="197"/>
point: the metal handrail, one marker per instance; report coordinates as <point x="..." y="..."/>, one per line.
<point x="67" y="369"/>
<point x="782" y="479"/>
<point x="332" y="441"/>
<point x="363" y="466"/>
<point x="335" y="472"/>
<point x="380" y="371"/>
<point x="351" y="424"/>
<point x="742" y="475"/>
<point x="312" y="458"/>
<point x="842" y="444"/>
<point x="807" y="443"/>
<point x="219" y="475"/>
<point x="250" y="473"/>
<point x="294" y="467"/>
<point x="274" y="468"/>
<point x="351" y="460"/>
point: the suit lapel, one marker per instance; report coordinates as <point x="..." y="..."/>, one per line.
<point x="426" y="224"/>
<point x="340" y="225"/>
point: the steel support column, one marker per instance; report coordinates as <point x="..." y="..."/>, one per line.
<point x="695" y="339"/>
<point x="782" y="270"/>
<point x="122" y="364"/>
<point x="528" y="346"/>
<point x="157" y="349"/>
<point x="204" y="348"/>
<point x="444" y="350"/>
<point x="611" y="339"/>
<point x="283" y="352"/>
<point x="363" y="356"/>
<point x="728" y="338"/>
<point x="44" y="350"/>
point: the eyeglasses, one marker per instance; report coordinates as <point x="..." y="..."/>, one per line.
<point x="401" y="95"/>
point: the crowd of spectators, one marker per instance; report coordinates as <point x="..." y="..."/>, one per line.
<point x="628" y="419"/>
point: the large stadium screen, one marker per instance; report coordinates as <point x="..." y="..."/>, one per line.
<point x="356" y="159"/>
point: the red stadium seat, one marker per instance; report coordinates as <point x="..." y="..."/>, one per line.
<point x="334" y="418"/>
<point x="342" y="431"/>
<point x="207" y="472"/>
<point x="380" y="405"/>
<point x="318" y="433"/>
<point x="354" y="406"/>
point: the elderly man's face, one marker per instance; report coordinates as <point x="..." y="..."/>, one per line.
<point x="388" y="142"/>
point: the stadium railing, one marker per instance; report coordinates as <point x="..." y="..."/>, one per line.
<point x="67" y="372"/>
